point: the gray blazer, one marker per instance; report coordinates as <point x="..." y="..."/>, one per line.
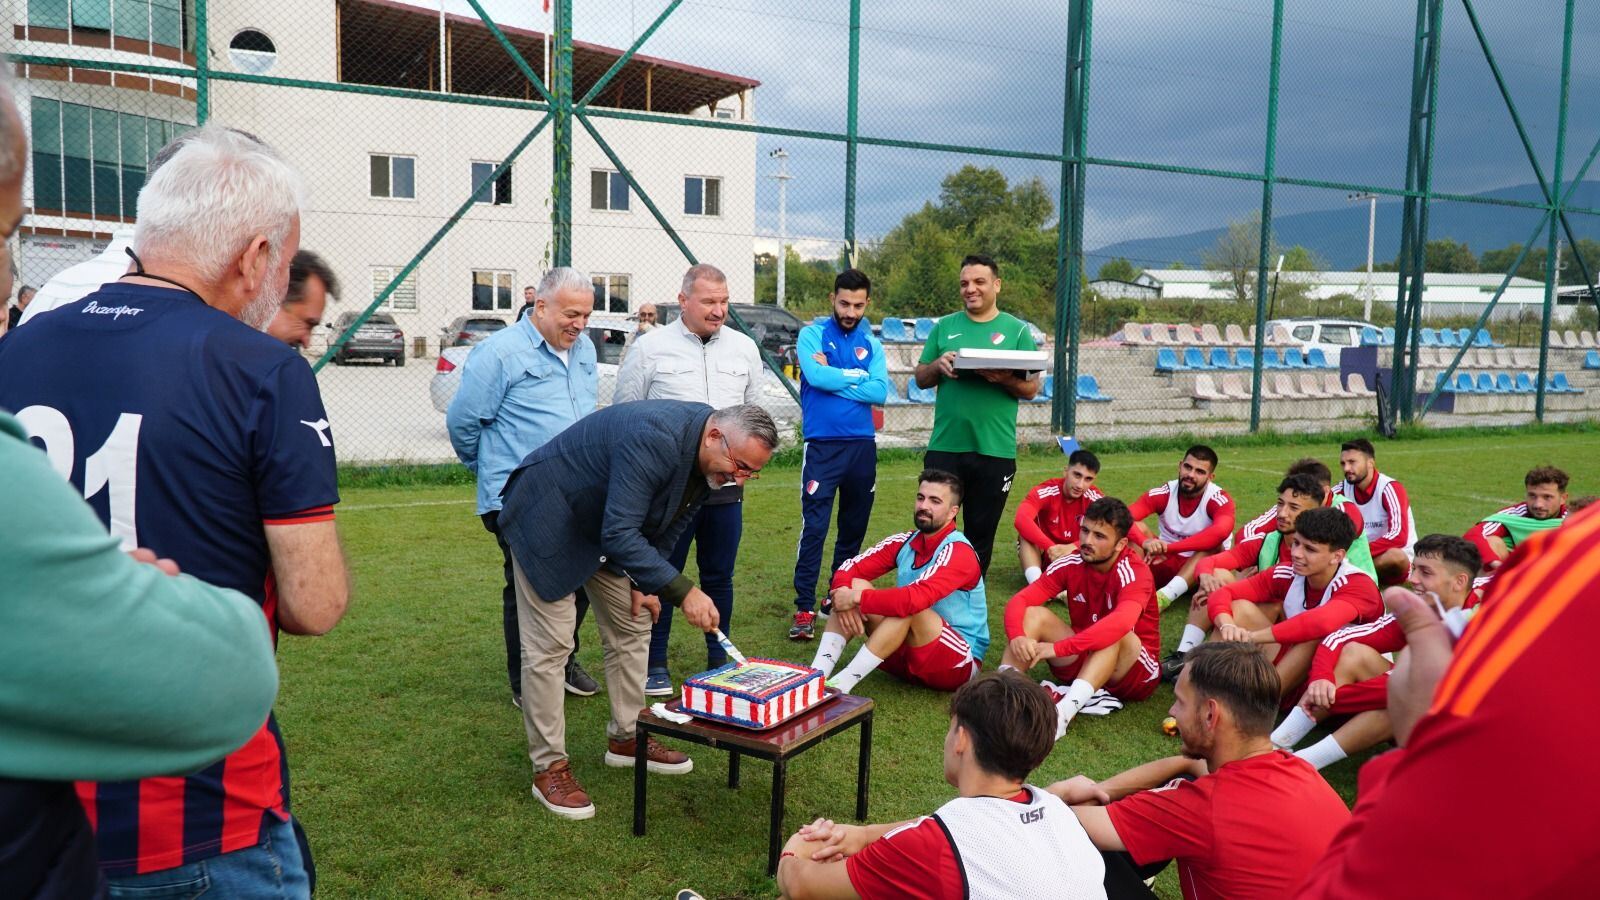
<point x="605" y="492"/>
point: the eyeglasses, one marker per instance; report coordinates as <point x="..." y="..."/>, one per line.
<point x="742" y="468"/>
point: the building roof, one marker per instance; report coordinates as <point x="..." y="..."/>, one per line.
<point x="1333" y="277"/>
<point x="395" y="44"/>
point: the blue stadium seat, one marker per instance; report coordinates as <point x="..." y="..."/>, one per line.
<point x="1388" y="337"/>
<point x="1244" y="358"/>
<point x="1370" y="337"/>
<point x="1464" y="336"/>
<point x="1442" y="386"/>
<point x="924" y="329"/>
<point x="1269" y="359"/>
<point x="1194" y="359"/>
<point x="1316" y="359"/>
<point x="1426" y="338"/>
<point x="1486" y="340"/>
<point x="1047" y="390"/>
<point x="1591" y="360"/>
<point x="894" y="331"/>
<point x="1525" y="383"/>
<point x="1089" y="389"/>
<point x="896" y="396"/>
<point x="1167" y="361"/>
<point x="1464" y="384"/>
<point x="1503" y="384"/>
<point x="920" y="394"/>
<point x="1220" y="359"/>
<point x="1485" y="383"/>
<point x="1449" y="338"/>
<point x="1294" y="359"/>
<point x="1560" y="384"/>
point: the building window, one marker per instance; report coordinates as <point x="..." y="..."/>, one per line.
<point x="491" y="289"/>
<point x="702" y="196"/>
<point x="394" y="177"/>
<point x="92" y="14"/>
<point x="610" y="293"/>
<point x="131" y="19"/>
<point x="404" y="297"/>
<point x="608" y="190"/>
<point x="252" y="52"/>
<point x="497" y="192"/>
<point x="49" y="13"/>
<point x="92" y="161"/>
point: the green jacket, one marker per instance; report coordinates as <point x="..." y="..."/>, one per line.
<point x="1359" y="555"/>
<point x="109" y="669"/>
<point x="1519" y="528"/>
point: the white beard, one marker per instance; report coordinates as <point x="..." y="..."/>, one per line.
<point x="717" y="485"/>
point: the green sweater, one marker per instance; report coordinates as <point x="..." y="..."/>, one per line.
<point x="109" y="669"/>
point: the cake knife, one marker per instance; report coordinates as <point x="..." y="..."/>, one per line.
<point x="730" y="648"/>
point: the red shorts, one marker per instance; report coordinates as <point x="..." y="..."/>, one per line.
<point x="944" y="663"/>
<point x="1140" y="682"/>
<point x="1168" y="569"/>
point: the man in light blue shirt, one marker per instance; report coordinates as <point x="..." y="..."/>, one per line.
<point x="521" y="387"/>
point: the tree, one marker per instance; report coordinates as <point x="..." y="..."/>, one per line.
<point x="1443" y="256"/>
<point x="1118" y="269"/>
<point x="1236" y="254"/>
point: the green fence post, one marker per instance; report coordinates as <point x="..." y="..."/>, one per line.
<point x="1269" y="172"/>
<point x="852" y="123"/>
<point x="1551" y="273"/>
<point x="1419" y="246"/>
<point x="561" y="139"/>
<point x="202" y="66"/>
<point x="1069" y="220"/>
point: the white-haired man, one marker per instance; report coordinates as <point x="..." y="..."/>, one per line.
<point x="695" y="358"/>
<point x="204" y="439"/>
<point x="521" y="387"/>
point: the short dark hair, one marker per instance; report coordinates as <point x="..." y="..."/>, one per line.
<point x="1582" y="503"/>
<point x="1238" y="676"/>
<point x="1457" y="552"/>
<point x="948" y="479"/>
<point x="1086" y="459"/>
<point x="1546" y="475"/>
<point x="1010" y="720"/>
<point x="305" y="265"/>
<point x="1327" y="525"/>
<point x="1360" y="445"/>
<point x="1204" y="454"/>
<point x="981" y="259"/>
<point x="1305" y="485"/>
<point x="1113" y="512"/>
<point x="852" y="280"/>
<point x="1313" y="467"/>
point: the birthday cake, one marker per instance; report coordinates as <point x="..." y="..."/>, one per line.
<point x="760" y="693"/>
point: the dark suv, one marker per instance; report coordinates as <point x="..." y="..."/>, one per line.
<point x="379" y="337"/>
<point x="776" y="330"/>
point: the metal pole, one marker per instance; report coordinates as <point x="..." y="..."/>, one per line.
<point x="1372" y="229"/>
<point x="1551" y="270"/>
<point x="1266" y="214"/>
<point x="852" y="110"/>
<point x="1069" y="221"/>
<point x="202" y="66"/>
<point x="783" y="176"/>
<point x="561" y="140"/>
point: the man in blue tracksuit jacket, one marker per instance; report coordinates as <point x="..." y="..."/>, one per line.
<point x="843" y="374"/>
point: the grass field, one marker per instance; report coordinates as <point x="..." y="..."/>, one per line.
<point x="409" y="765"/>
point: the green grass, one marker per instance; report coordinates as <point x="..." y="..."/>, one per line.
<point x="409" y="764"/>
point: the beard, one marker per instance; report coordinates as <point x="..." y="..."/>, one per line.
<point x="259" y="312"/>
<point x="717" y="485"/>
<point x="926" y="525"/>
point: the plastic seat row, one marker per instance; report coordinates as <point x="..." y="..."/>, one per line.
<point x="1504" y="383"/>
<point x="1282" y="386"/>
<point x="1429" y="337"/>
<point x="1196" y="360"/>
<point x="1479" y="358"/>
<point x="1574" y="340"/>
<point x="1180" y="335"/>
<point x="1088" y="391"/>
<point x="894" y="331"/>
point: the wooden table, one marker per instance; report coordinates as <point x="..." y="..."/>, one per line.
<point x="776" y="744"/>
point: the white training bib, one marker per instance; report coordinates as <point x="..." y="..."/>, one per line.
<point x="1374" y="518"/>
<point x="1175" y="526"/>
<point x="1022" y="850"/>
<point x="1294" y="602"/>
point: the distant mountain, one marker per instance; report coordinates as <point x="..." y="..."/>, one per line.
<point x="1339" y="235"/>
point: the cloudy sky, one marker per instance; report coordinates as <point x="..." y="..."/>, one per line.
<point x="1180" y="82"/>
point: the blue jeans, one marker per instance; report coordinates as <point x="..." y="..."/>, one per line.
<point x="715" y="533"/>
<point x="272" y="870"/>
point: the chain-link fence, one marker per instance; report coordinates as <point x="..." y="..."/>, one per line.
<point x="1183" y="200"/>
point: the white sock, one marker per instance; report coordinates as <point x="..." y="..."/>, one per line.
<point x="1296" y="725"/>
<point x="1192" y="638"/>
<point x="828" y="653"/>
<point x="1176" y="588"/>
<point x="859" y="668"/>
<point x="1005" y="666"/>
<point x="1323" y="753"/>
<point x="1032" y="573"/>
<point x="1077" y="695"/>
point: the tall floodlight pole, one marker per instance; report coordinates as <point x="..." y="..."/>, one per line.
<point x="1372" y="227"/>
<point x="783" y="176"/>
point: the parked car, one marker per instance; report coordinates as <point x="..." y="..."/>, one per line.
<point x="609" y="331"/>
<point x="776" y="330"/>
<point x="1328" y="335"/>
<point x="464" y="331"/>
<point x="379" y="337"/>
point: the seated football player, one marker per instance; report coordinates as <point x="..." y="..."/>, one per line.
<point x="1385" y="509"/>
<point x="998" y="831"/>
<point x="1047" y="519"/>
<point x="1196" y="518"/>
<point x="1350" y="671"/>
<point x="1288" y="610"/>
<point x="932" y="627"/>
<point x="1544" y="506"/>
<point x="1113" y="629"/>
<point x="1240" y="818"/>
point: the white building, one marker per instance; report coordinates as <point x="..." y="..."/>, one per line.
<point x="1442" y="295"/>
<point x="384" y="173"/>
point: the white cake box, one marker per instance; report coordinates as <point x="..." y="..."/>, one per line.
<point x="1018" y="360"/>
<point x="759" y="694"/>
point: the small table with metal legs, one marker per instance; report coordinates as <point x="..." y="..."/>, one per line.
<point x="777" y="744"/>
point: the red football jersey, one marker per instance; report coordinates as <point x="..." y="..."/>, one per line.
<point x="1047" y="516"/>
<point x="1102" y="606"/>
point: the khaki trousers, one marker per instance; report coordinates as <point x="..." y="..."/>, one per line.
<point x="545" y="628"/>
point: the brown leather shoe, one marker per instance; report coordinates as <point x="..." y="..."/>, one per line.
<point x="662" y="760"/>
<point x="561" y="793"/>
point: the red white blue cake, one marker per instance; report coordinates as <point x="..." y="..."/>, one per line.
<point x="759" y="694"/>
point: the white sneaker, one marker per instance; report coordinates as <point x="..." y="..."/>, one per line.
<point x="1100" y="703"/>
